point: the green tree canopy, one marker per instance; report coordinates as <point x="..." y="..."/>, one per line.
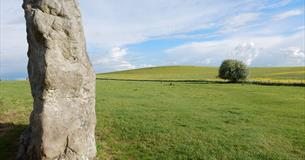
<point x="233" y="70"/>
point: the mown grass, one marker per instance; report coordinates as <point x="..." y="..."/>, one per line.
<point x="155" y="120"/>
<point x="165" y="73"/>
<point x="275" y="74"/>
<point x="15" y="107"/>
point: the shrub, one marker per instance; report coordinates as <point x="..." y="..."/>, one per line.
<point x="233" y="70"/>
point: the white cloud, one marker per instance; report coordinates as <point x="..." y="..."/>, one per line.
<point x="255" y="50"/>
<point x="240" y="20"/>
<point x="13" y="46"/>
<point x="295" y="55"/>
<point x="246" y="52"/>
<point x="145" y="66"/>
<point x="115" y="60"/>
<point x="134" y="21"/>
<point x="287" y="14"/>
<point x="121" y="23"/>
<point x="280" y="3"/>
<point x="198" y="53"/>
<point x="300" y="28"/>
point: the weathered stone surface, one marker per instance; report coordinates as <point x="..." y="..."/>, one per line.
<point x="62" y="80"/>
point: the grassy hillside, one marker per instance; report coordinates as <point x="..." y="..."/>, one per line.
<point x="154" y="120"/>
<point x="294" y="74"/>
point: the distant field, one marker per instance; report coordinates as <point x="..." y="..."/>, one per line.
<point x="158" y="120"/>
<point x="281" y="74"/>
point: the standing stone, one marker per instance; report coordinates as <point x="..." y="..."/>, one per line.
<point x="62" y="80"/>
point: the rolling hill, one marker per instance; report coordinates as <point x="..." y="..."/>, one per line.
<point x="283" y="74"/>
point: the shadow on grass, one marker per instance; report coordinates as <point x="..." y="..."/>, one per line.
<point x="9" y="139"/>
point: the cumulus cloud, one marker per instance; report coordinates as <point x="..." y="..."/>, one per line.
<point x="287" y="14"/>
<point x="118" y="23"/>
<point x="246" y="52"/>
<point x="115" y="59"/>
<point x="122" y="23"/>
<point x="295" y="55"/>
<point x="213" y="52"/>
<point x="198" y="53"/>
<point x="260" y="51"/>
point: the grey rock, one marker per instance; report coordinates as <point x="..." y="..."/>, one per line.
<point x="62" y="123"/>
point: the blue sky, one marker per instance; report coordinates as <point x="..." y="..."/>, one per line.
<point x="142" y="33"/>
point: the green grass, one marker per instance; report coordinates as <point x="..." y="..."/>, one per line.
<point x="154" y="120"/>
<point x="15" y="107"/>
<point x="164" y="73"/>
<point x="200" y="73"/>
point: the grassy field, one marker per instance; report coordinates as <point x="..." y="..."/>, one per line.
<point x="155" y="120"/>
<point x="280" y="74"/>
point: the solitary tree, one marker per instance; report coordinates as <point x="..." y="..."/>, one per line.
<point x="233" y="70"/>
